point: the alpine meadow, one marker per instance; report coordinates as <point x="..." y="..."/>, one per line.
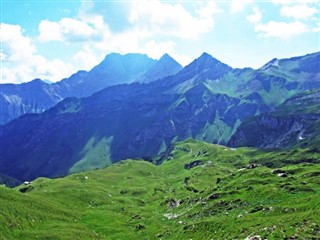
<point x="160" y="120"/>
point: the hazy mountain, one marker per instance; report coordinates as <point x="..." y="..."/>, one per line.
<point x="37" y="96"/>
<point x="141" y="120"/>
<point x="32" y="97"/>
<point x="137" y="120"/>
<point x="166" y="66"/>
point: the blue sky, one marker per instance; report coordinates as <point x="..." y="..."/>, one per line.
<point x="53" y="39"/>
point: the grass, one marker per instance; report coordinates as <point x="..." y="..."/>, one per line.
<point x="222" y="198"/>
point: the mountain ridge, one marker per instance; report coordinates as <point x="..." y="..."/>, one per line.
<point x="196" y="102"/>
<point x="18" y="99"/>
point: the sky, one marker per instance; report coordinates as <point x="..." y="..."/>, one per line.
<point x="53" y="39"/>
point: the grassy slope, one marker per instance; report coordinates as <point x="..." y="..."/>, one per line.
<point x="131" y="199"/>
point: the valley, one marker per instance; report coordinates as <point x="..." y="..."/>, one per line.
<point x="229" y="194"/>
<point x="159" y="120"/>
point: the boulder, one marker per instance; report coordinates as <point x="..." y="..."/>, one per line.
<point x="193" y="164"/>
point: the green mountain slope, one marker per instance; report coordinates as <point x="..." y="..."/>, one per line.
<point x="200" y="191"/>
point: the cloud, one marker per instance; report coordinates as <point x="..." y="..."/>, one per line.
<point x="14" y="45"/>
<point x="298" y="11"/>
<point x="289" y="2"/>
<point x="154" y="25"/>
<point x="281" y="30"/>
<point x="71" y="30"/>
<point x="238" y="6"/>
<point x="160" y="18"/>
<point x="316" y="28"/>
<point x="256" y="16"/>
<point x="87" y="57"/>
<point x="21" y="62"/>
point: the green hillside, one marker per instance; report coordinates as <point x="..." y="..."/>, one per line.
<point x="200" y="191"/>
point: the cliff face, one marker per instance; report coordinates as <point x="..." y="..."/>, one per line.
<point x="295" y="122"/>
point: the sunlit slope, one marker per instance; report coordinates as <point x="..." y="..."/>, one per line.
<point x="200" y="191"/>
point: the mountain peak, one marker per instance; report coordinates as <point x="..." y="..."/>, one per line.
<point x="37" y="81"/>
<point x="115" y="54"/>
<point x="207" y="61"/>
<point x="165" y="66"/>
<point x="207" y="66"/>
<point x="205" y="55"/>
<point x="165" y="57"/>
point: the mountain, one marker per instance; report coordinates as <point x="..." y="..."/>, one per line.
<point x="114" y="69"/>
<point x="166" y="66"/>
<point x="99" y="133"/>
<point x="200" y="191"/>
<point x="32" y="97"/>
<point x="37" y="95"/>
<point x="296" y="122"/>
<point x="274" y="82"/>
<point x="140" y="120"/>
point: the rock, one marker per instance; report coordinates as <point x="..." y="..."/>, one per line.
<point x="256" y="237"/>
<point x="186" y="181"/>
<point x="192" y="189"/>
<point x="172" y="203"/>
<point x="282" y="175"/>
<point x="193" y="164"/>
<point x="140" y="227"/>
<point x="276" y="171"/>
<point x="213" y="196"/>
<point x="252" y="166"/>
<point x="171" y="215"/>
<point x="25" y="189"/>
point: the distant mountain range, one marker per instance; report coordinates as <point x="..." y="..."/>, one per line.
<point x="39" y="95"/>
<point x="207" y="100"/>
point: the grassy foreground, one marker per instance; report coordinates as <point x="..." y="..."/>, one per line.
<point x="201" y="191"/>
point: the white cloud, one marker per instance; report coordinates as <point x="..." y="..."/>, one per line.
<point x="155" y="49"/>
<point x="87" y="57"/>
<point x="72" y="30"/>
<point x="281" y="29"/>
<point x="317" y="28"/>
<point x="22" y="63"/>
<point x="282" y="1"/>
<point x="256" y="16"/>
<point x="289" y="2"/>
<point x="238" y="6"/>
<point x="298" y="11"/>
<point x="172" y="19"/>
<point x="14" y="45"/>
<point x="149" y="20"/>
